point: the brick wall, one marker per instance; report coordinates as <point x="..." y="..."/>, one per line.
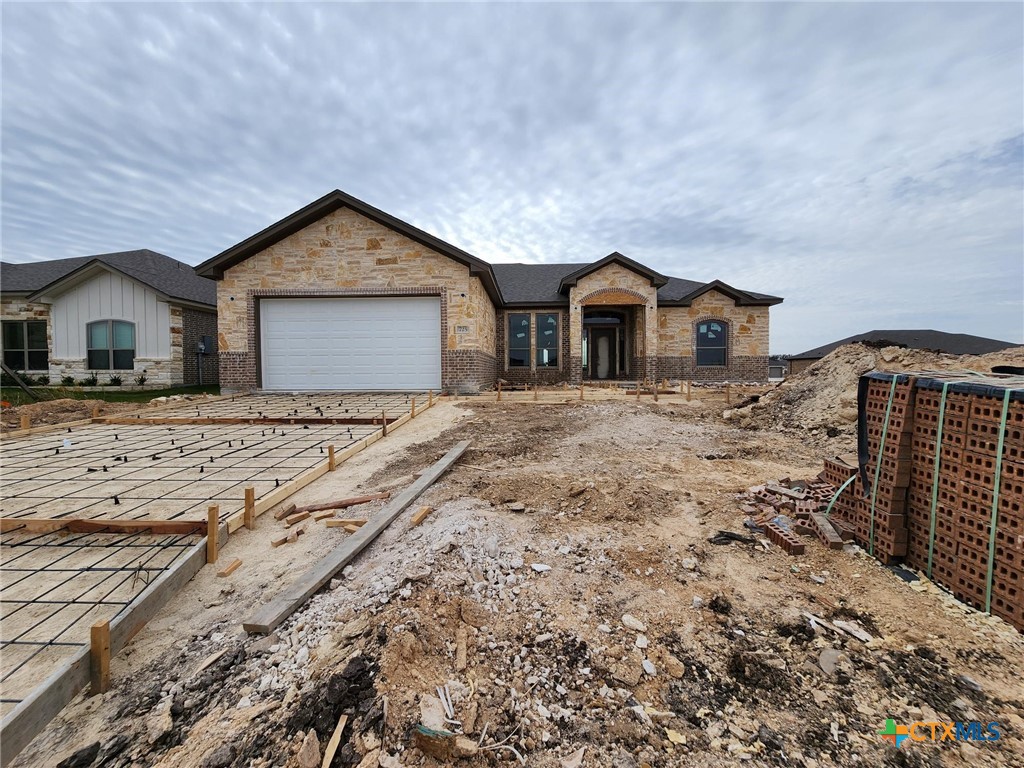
<point x="470" y="371"/>
<point x="740" y="368"/>
<point x="195" y="324"/>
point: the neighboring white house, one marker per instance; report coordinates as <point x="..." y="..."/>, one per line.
<point x="125" y="315"/>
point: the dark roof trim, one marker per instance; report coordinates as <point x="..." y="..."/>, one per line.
<point x="534" y="304"/>
<point x="333" y="201"/>
<point x="656" y="280"/>
<point x="741" y="298"/>
<point x="91" y="266"/>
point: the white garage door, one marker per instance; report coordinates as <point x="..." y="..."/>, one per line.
<point x="351" y="344"/>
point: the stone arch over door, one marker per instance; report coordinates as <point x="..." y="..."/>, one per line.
<point x="613" y="296"/>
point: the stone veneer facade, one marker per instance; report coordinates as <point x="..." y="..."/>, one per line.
<point x="159" y="372"/>
<point x="347" y="254"/>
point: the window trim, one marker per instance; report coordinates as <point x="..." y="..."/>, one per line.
<point x="25" y="349"/>
<point x="697" y="347"/>
<point x="110" y="349"/>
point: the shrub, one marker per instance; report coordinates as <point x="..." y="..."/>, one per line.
<point x="42" y="380"/>
<point x="67" y="381"/>
<point x="140" y="379"/>
<point x="90" y="380"/>
<point x="115" y="381"/>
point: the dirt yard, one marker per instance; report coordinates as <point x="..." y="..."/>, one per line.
<point x="566" y="599"/>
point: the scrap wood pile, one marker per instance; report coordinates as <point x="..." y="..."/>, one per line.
<point x="939" y="485"/>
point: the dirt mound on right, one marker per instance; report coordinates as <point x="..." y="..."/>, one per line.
<point x="825" y="395"/>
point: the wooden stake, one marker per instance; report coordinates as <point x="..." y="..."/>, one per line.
<point x="323" y="515"/>
<point x="96" y="411"/>
<point x="212" y="529"/>
<point x="655" y="391"/>
<point x="421" y="515"/>
<point x="687" y="390"/>
<point x="496" y="399"/>
<point x="332" y="463"/>
<point x="581" y="391"/>
<point x="351" y="528"/>
<point x="535" y="388"/>
<point x="229" y="568"/>
<point x="727" y="399"/>
<point x="99" y="657"/>
<point x="413" y="411"/>
<point x="384" y="421"/>
<point x="290" y="538"/>
<point x="430" y="398"/>
<point x="332" y="745"/>
<point x="249" y="516"/>
<point x="26" y="423"/>
<point x="638" y="389"/>
<point x="296" y="518"/>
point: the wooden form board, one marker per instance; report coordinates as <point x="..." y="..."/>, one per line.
<point x="284" y="605"/>
<point x="99" y="525"/>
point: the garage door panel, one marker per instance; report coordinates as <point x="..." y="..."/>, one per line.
<point x="350" y="344"/>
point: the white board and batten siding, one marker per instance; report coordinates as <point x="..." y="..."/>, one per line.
<point x="318" y="344"/>
<point x="111" y="297"/>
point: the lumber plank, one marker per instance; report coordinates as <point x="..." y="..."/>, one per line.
<point x="345" y="503"/>
<point x="99" y="525"/>
<point x="421" y="515"/>
<point x="298" y="517"/>
<point x="229" y="568"/>
<point x="323" y="515"/>
<point x="267" y="618"/>
<point x="351" y="528"/>
<point x="334" y="743"/>
<point x="212" y="518"/>
<point x="284" y="512"/>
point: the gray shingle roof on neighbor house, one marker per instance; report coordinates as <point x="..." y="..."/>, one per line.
<point x="938" y="341"/>
<point x="168" y="276"/>
<point x="539" y="283"/>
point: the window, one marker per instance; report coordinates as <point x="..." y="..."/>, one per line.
<point x="111" y="345"/>
<point x="547" y="340"/>
<point x="24" y="344"/>
<point x="519" y="340"/>
<point x="712" y="342"/>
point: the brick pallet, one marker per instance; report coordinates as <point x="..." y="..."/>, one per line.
<point x="900" y="507"/>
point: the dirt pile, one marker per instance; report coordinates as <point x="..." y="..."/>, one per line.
<point x="824" y="396"/>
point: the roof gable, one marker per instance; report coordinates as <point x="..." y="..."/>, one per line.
<point x="332" y="201"/>
<point x="615" y="257"/>
<point x="169" y="277"/>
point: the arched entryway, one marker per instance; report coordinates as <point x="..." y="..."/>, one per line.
<point x="606" y="343"/>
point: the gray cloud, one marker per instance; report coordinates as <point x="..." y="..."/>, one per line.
<point x="864" y="161"/>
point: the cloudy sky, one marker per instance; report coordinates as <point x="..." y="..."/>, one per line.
<point x="865" y="161"/>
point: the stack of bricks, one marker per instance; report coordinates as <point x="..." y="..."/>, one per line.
<point x="965" y="489"/>
<point x="965" y="493"/>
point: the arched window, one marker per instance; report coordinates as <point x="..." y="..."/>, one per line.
<point x="712" y="342"/>
<point x="111" y="345"/>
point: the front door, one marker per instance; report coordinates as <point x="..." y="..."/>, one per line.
<point x="603" y="360"/>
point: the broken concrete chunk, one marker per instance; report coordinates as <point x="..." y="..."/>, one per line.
<point x="432" y="713"/>
<point x="540" y="567"/>
<point x="309" y="752"/>
<point x="632" y="622"/>
<point x="649" y="668"/>
<point x="575" y="760"/>
<point x="516" y="506"/>
<point x="831" y="660"/>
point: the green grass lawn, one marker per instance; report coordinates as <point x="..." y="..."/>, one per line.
<point x="15" y="396"/>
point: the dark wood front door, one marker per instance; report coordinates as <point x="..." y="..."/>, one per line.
<point x="603" y="353"/>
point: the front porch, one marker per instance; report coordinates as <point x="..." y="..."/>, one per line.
<point x="611" y="348"/>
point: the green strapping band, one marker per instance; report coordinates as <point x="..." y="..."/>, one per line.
<point x="935" y="479"/>
<point x="995" y="502"/>
<point x="878" y="466"/>
<point x="842" y="488"/>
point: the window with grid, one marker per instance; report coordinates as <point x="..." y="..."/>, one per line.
<point x="547" y="339"/>
<point x="24" y="345"/>
<point x="712" y="343"/>
<point x="111" y="345"/>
